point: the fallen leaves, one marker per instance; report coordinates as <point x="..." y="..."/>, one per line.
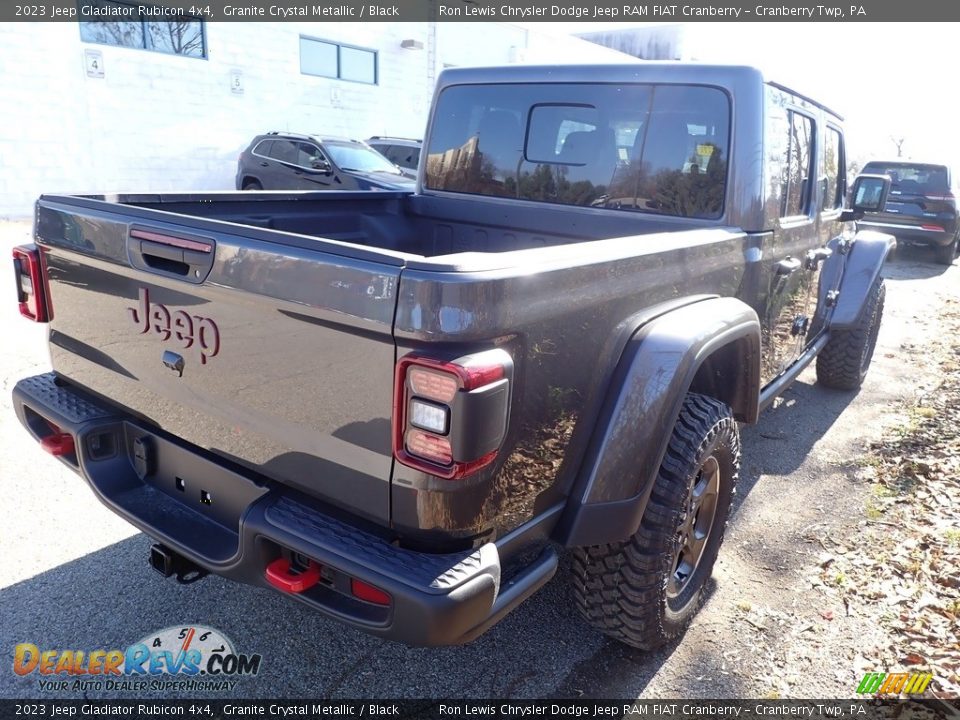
<point x="913" y="659"/>
<point x="902" y="565"/>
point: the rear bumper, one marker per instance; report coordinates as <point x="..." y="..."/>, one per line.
<point x="914" y="234"/>
<point x="240" y="525"/>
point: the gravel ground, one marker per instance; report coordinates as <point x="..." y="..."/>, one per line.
<point x="75" y="576"/>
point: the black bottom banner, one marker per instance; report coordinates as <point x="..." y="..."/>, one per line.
<point x="921" y="709"/>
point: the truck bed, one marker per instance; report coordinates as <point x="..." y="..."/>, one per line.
<point x="416" y="225"/>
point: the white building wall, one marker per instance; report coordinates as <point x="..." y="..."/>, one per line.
<point x="657" y="41"/>
<point x="165" y="122"/>
<point x="472" y="44"/>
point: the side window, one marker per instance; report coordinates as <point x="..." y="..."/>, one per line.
<point x="284" y="151"/>
<point x="799" y="162"/>
<point x="395" y="154"/>
<point x="405" y="156"/>
<point x="308" y="155"/>
<point x="263" y="148"/>
<point x="833" y="170"/>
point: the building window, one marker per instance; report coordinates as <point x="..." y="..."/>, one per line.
<point x="138" y="29"/>
<point x="344" y="62"/>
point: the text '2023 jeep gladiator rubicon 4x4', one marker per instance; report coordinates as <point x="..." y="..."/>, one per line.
<point x="394" y="407"/>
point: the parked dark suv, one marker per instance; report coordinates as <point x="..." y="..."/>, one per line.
<point x="921" y="208"/>
<point x="404" y="152"/>
<point x="290" y="161"/>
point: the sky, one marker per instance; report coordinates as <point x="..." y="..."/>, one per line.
<point x="886" y="79"/>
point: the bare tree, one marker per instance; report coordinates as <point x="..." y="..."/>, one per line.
<point x="898" y="141"/>
<point x="180" y="37"/>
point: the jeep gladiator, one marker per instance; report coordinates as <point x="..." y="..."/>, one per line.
<point x="396" y="407"/>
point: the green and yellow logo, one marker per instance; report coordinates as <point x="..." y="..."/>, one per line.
<point x="878" y="683"/>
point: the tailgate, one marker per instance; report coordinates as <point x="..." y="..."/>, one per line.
<point x="275" y="356"/>
<point x="919" y="194"/>
<point x="912" y="208"/>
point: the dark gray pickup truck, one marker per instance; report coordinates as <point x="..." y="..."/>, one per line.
<point x="395" y="407"/>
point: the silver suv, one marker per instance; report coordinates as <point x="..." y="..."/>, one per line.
<point x="403" y="152"/>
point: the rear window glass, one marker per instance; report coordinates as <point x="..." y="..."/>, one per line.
<point x="648" y="148"/>
<point x="907" y="177"/>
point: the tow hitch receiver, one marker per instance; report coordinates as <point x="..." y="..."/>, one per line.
<point x="281" y="576"/>
<point x="167" y="563"/>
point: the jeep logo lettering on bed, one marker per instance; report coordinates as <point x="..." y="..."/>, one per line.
<point x="180" y="325"/>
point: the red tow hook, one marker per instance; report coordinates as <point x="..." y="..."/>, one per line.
<point x="280" y="576"/>
<point x="58" y="443"/>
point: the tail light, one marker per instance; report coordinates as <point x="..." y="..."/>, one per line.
<point x="31" y="283"/>
<point x="932" y="228"/>
<point x="450" y="418"/>
<point x="369" y="593"/>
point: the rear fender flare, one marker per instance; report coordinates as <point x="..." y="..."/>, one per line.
<point x="714" y="344"/>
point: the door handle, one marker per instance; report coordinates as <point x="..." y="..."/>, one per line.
<point x="787" y="266"/>
<point x="263" y="164"/>
<point x="815" y="257"/>
<point x="155" y="250"/>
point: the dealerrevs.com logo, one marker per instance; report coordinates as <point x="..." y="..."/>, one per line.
<point x="177" y="658"/>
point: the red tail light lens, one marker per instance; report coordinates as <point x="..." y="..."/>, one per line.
<point x="365" y="591"/>
<point x="934" y="228"/>
<point x="429" y="446"/>
<point x="31" y="283"/>
<point x="439" y="386"/>
<point x="450" y="417"/>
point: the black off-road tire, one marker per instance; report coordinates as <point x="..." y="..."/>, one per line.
<point x="629" y="590"/>
<point x="252" y="185"/>
<point x="844" y="362"/>
<point x="944" y="254"/>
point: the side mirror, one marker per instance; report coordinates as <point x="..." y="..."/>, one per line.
<point x="869" y="195"/>
<point x="321" y="166"/>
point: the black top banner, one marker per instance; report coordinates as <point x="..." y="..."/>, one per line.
<point x="479" y="10"/>
<point x="503" y="709"/>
